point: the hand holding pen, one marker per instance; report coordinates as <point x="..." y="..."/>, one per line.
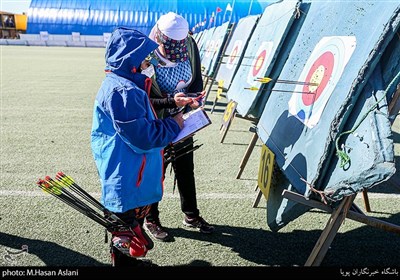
<point x="197" y="99"/>
<point x="181" y="99"/>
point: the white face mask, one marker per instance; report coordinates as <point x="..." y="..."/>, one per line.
<point x="149" y="71"/>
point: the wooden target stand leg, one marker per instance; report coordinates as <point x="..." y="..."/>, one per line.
<point x="224" y="129"/>
<point x="258" y="197"/>
<point x="205" y="84"/>
<point x="229" y="115"/>
<point x="366" y="201"/>
<point x="394" y="105"/>
<point x="346" y="209"/>
<point x="215" y="101"/>
<point x="247" y="154"/>
<point x="328" y="234"/>
<point x="218" y="94"/>
<point x="209" y="90"/>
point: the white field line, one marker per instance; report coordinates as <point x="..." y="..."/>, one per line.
<point x="7" y="193"/>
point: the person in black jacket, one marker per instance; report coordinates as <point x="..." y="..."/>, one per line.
<point x="177" y="76"/>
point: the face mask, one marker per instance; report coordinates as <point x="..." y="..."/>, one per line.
<point x="149" y="71"/>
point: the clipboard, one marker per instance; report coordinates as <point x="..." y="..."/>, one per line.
<point x="193" y="121"/>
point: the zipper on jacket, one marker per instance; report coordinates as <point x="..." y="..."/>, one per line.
<point x="140" y="176"/>
<point x="147" y="86"/>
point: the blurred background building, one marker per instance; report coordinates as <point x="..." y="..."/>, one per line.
<point x="94" y="17"/>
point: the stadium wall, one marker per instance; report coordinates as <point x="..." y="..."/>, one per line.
<point x="90" y="17"/>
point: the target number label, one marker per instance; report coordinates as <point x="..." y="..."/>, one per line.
<point x="220" y="89"/>
<point x="265" y="170"/>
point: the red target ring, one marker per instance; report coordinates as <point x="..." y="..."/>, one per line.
<point x="259" y="63"/>
<point x="319" y="73"/>
<point x="233" y="54"/>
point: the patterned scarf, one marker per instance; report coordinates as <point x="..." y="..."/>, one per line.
<point x="175" y="50"/>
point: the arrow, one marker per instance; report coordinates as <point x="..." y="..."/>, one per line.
<point x="266" y="80"/>
<point x="48" y="187"/>
<point x="278" y="90"/>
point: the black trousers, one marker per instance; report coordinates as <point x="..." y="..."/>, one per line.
<point x="184" y="171"/>
<point x="133" y="215"/>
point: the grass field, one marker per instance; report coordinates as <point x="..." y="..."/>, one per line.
<point x="47" y="96"/>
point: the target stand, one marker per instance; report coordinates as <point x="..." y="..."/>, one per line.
<point x="394" y="108"/>
<point x="268" y="176"/>
<point x="227" y="118"/>
<point x="229" y="114"/>
<point x="346" y="209"/>
<point x="248" y="152"/>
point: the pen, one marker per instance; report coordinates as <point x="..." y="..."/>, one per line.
<point x="199" y="97"/>
<point x="196" y="96"/>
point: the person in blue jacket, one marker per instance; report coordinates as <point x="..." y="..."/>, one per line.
<point x="127" y="139"/>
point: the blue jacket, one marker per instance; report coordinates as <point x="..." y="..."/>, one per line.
<point x="127" y="139"/>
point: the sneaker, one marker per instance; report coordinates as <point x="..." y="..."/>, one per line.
<point x="157" y="231"/>
<point x="199" y="223"/>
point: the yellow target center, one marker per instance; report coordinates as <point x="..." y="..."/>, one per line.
<point x="316" y="78"/>
<point x="259" y="63"/>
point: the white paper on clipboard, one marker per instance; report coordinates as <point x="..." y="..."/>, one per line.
<point x="193" y="122"/>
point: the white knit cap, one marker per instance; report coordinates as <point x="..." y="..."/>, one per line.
<point x="173" y="26"/>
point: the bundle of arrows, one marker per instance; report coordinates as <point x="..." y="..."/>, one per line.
<point x="135" y="242"/>
<point x="171" y="153"/>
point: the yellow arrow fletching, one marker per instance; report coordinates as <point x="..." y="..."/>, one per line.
<point x="252" y="88"/>
<point x="70" y="180"/>
<point x="264" y="80"/>
<point x="66" y="181"/>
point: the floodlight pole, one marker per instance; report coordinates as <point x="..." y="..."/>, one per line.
<point x="233" y="7"/>
<point x="251" y="4"/>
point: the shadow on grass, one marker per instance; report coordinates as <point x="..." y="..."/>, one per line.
<point x="363" y="246"/>
<point x="50" y="253"/>
<point x="391" y="186"/>
<point x="235" y="144"/>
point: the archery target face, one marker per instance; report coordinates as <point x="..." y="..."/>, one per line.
<point x="260" y="63"/>
<point x="217" y="45"/>
<point x="324" y="68"/>
<point x="234" y="55"/>
<point x="210" y="48"/>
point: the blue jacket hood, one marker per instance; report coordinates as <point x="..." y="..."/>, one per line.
<point x="126" y="49"/>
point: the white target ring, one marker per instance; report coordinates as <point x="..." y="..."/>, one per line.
<point x="234" y="55"/>
<point x="324" y="67"/>
<point x="259" y="65"/>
